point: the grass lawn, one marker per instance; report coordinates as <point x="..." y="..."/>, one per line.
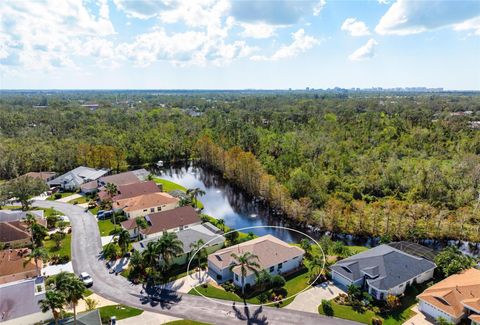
<point x="397" y="317"/>
<point x="346" y="312"/>
<point x="293" y="285"/>
<point x="10" y="207"/>
<point x="79" y="200"/>
<point x="186" y="322"/>
<point x="106" y="227"/>
<point x="94" y="210"/>
<point x="119" y="311"/>
<point x="357" y="249"/>
<point x="171" y="186"/>
<point x="63" y="194"/>
<point x="64" y="249"/>
<point x="87" y="293"/>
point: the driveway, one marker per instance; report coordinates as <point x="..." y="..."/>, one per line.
<point x="69" y="198"/>
<point x="309" y="300"/>
<point x="186" y="283"/>
<point x="419" y="318"/>
<point x="86" y="256"/>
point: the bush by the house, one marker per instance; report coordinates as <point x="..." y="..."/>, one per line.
<point x="327" y="307"/>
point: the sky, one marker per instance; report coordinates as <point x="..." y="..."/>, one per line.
<point x="233" y="44"/>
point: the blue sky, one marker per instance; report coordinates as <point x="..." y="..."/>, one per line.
<point x="220" y="44"/>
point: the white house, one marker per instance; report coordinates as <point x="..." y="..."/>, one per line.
<point x="274" y="256"/>
<point x="72" y="180"/>
<point x="382" y="270"/>
<point x="455" y="298"/>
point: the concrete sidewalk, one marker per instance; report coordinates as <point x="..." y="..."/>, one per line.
<point x="310" y="299"/>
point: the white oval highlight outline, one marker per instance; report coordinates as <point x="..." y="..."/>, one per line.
<point x="255" y="227"/>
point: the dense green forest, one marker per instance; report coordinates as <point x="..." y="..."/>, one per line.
<point x="400" y="166"/>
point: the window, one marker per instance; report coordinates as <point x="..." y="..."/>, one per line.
<point x="272" y="268"/>
<point x="280" y="266"/>
<point x="236" y="277"/>
<point x="152" y="209"/>
<point x="159" y="208"/>
<point x="144" y="210"/>
<point x="219" y="277"/>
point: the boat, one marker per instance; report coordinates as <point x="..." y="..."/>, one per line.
<point x="159" y="163"/>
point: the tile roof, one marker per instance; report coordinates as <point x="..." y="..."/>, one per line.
<point x="170" y="219"/>
<point x="453" y="293"/>
<point x="269" y="249"/>
<point x="12" y="263"/>
<point x="89" y="185"/>
<point x="41" y="175"/>
<point x="205" y="232"/>
<point x="390" y="266"/>
<point x="136" y="189"/>
<point x="86" y="318"/>
<point x="20" y="298"/>
<point x="14" y="215"/>
<point x="79" y="175"/>
<point x="144" y="201"/>
<point x="120" y="179"/>
<point x="12" y="231"/>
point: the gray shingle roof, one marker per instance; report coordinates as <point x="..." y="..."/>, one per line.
<point x="206" y="232"/>
<point x="388" y="266"/>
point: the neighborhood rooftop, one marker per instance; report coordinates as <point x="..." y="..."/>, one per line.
<point x="165" y="220"/>
<point x="455" y="292"/>
<point x="13" y="266"/>
<point x="15" y="215"/>
<point x="79" y="176"/>
<point x="206" y="232"/>
<point x="269" y="249"/>
<point x="125" y="178"/>
<point x="387" y="266"/>
<point x="136" y="189"/>
<point x="145" y="201"/>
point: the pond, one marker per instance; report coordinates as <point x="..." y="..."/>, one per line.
<point x="225" y="201"/>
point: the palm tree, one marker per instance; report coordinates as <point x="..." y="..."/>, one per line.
<point x="169" y="246"/>
<point x="111" y="189"/>
<point x="246" y="261"/>
<point x="110" y="251"/>
<point x="75" y="292"/>
<point x="141" y="224"/>
<point x="263" y="279"/>
<point x="123" y="240"/>
<point x="316" y="267"/>
<point x="150" y="254"/>
<point x="36" y="254"/>
<point x="200" y="251"/>
<point x="37" y="231"/>
<point x="54" y="301"/>
<point x="194" y="193"/>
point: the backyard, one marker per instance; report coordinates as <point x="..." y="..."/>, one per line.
<point x="106" y="227"/>
<point x="169" y="186"/>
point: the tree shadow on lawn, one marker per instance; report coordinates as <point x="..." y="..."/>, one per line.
<point x="254" y="318"/>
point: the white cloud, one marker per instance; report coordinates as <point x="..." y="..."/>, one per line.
<point x="412" y="17"/>
<point x="301" y="43"/>
<point x="383" y="2"/>
<point x="259" y="30"/>
<point x="355" y="27"/>
<point x="469" y="25"/>
<point x="317" y="8"/>
<point x="142" y="9"/>
<point x="41" y="35"/>
<point x="365" y="52"/>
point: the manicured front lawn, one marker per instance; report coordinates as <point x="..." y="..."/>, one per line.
<point x="119" y="311"/>
<point x="186" y="322"/>
<point x="293" y="285"/>
<point x="65" y="249"/>
<point x="346" y="312"/>
<point x="10" y="207"/>
<point x="106" y="227"/>
<point x="63" y="194"/>
<point x="79" y="200"/>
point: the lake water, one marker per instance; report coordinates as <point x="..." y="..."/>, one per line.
<point x="224" y="201"/>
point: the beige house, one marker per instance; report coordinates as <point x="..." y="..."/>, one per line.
<point x="12" y="267"/>
<point x="142" y="205"/>
<point x="455" y="299"/>
<point x="274" y="255"/>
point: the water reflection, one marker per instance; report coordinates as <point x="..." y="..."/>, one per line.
<point x="224" y="201"/>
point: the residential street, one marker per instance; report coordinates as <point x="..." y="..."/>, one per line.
<point x="86" y="249"/>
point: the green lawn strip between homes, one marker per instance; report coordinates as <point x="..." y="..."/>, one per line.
<point x="79" y="200"/>
<point x="119" y="311"/>
<point x="62" y="195"/>
<point x="293" y="286"/>
<point x="106" y="227"/>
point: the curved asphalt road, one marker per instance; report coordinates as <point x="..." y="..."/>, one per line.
<point x="86" y="249"/>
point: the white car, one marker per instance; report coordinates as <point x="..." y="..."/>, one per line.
<point x="86" y="278"/>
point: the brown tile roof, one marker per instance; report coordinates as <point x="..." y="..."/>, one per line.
<point x="475" y="318"/>
<point x="145" y="201"/>
<point x="120" y="179"/>
<point x="12" y="263"/>
<point x="41" y="175"/>
<point x="455" y="292"/>
<point x="129" y="224"/>
<point x="13" y="231"/>
<point x="89" y="186"/>
<point x="136" y="189"/>
<point x="269" y="249"/>
<point x="170" y="219"/>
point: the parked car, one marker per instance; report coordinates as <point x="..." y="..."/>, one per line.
<point x="102" y="214"/>
<point x="86" y="279"/>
